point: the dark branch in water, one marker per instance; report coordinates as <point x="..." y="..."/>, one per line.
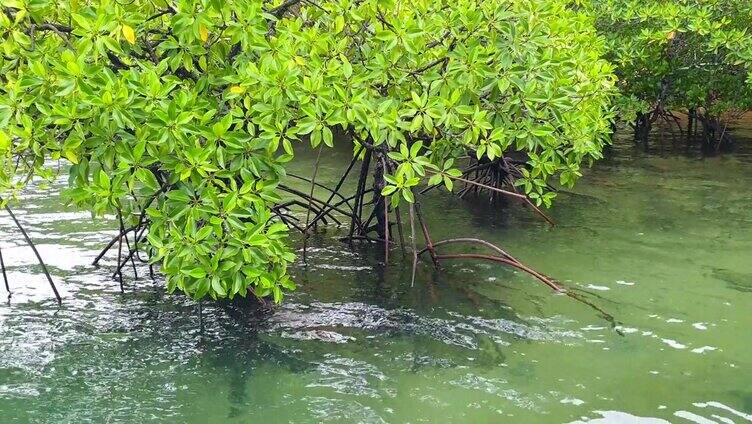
<point x="36" y="253"/>
<point x="131" y="254"/>
<point x="337" y="188"/>
<point x="5" y="277"/>
<point x="310" y="202"/>
<point x="507" y="193"/>
<point x="358" y="207"/>
<point x="110" y="244"/>
<point x="120" y="250"/>
<point x="412" y="240"/>
<point x="501" y="257"/>
<point x="130" y="257"/>
<point x="319" y="185"/>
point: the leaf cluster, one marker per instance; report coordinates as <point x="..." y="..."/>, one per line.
<point x="679" y="54"/>
<point x="181" y="114"/>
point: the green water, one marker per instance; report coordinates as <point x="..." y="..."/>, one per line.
<point x="662" y="240"/>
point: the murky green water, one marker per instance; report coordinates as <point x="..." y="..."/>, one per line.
<point x="661" y="241"/>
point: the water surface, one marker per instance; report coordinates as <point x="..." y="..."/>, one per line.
<point x="662" y="240"/>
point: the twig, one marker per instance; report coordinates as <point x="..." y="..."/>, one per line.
<point x="472" y="240"/>
<point x="308" y="180"/>
<point x="305" y="196"/>
<point x="430" y="65"/>
<point x="359" y="192"/>
<point x="505" y="258"/>
<point x="201" y="316"/>
<point x="131" y="255"/>
<point x="386" y="232"/>
<point x="283" y="8"/>
<point x="398" y="216"/>
<point x="161" y="13"/>
<point x="608" y="317"/>
<point x="60" y="31"/>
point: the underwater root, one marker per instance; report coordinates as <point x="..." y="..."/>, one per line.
<point x="503" y="257"/>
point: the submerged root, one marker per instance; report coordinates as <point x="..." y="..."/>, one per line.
<point x="499" y="256"/>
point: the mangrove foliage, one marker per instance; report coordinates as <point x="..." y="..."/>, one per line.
<point x="179" y="116"/>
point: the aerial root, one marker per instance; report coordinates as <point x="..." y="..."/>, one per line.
<point x="110" y="244"/>
<point x="712" y="137"/>
<point x="499" y="256"/>
<point x="496" y="179"/>
<point x="36" y="253"/>
<point x="5" y="276"/>
<point x="310" y="202"/>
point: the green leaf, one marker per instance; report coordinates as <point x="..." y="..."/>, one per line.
<point x="388" y="190"/>
<point x="148" y="179"/>
<point x="339" y="24"/>
<point x="328" y="137"/>
<point x="103" y="180"/>
<point x="5" y="142"/>
<point x="408" y="195"/>
<point x="216" y="285"/>
<point x="435" y="179"/>
<point x="196" y="272"/>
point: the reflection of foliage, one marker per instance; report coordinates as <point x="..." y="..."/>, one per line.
<point x="679" y="54"/>
<point x="179" y="116"/>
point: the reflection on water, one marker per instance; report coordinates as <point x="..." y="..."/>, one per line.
<point x="660" y="241"/>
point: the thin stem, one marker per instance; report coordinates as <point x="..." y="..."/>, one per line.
<point x="309" y="180"/>
<point x="201" y="316"/>
<point x="505" y="261"/>
<point x="472" y="240"/>
<point x="398" y="216"/>
<point x="359" y="193"/>
<point x="305" y="196"/>
<point x="131" y="256"/>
